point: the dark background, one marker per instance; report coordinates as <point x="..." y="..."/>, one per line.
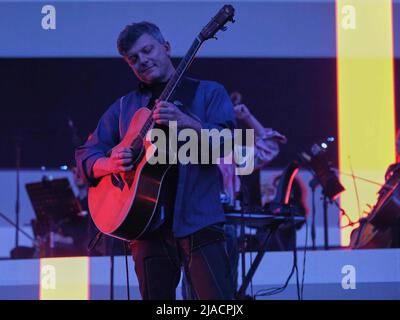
<point x="294" y="96"/>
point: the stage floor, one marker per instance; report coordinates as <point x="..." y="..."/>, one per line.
<point x="333" y="274"/>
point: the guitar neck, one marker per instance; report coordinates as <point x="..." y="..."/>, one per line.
<point x="183" y="66"/>
<point x="173" y="83"/>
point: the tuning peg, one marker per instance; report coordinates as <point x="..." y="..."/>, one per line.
<point x="215" y="38"/>
<point x="224" y="28"/>
<point x="233" y="20"/>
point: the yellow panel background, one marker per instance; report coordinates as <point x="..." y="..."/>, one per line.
<point x="366" y="109"/>
<point x="64" y="278"/>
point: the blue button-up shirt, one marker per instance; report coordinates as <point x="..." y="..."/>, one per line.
<point x="197" y="200"/>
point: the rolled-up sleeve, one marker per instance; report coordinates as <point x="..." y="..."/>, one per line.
<point x="267" y="147"/>
<point x="99" y="143"/>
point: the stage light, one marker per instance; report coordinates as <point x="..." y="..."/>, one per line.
<point x="366" y="108"/>
<point x="64" y="278"/>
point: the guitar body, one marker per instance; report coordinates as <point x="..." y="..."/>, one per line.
<point x="124" y="205"/>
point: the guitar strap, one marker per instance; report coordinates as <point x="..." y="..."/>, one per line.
<point x="184" y="94"/>
<point x="182" y="97"/>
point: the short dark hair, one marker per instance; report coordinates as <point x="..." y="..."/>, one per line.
<point x="134" y="31"/>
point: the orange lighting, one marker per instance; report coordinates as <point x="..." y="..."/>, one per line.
<point x="64" y="278"/>
<point x="366" y="107"/>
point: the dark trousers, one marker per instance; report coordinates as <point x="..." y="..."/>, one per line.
<point x="232" y="249"/>
<point x="159" y="257"/>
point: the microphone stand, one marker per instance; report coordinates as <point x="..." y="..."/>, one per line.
<point x="17" y="200"/>
<point x="2" y="215"/>
<point x="111" y="247"/>
<point x="16" y="224"/>
<point x="239" y="206"/>
<point x="326" y="235"/>
<point x="313" y="185"/>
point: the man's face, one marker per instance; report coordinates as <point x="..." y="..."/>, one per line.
<point x="149" y="60"/>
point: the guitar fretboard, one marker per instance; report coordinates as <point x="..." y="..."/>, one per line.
<point x="173" y="83"/>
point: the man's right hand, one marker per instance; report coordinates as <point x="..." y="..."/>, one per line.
<point x="119" y="161"/>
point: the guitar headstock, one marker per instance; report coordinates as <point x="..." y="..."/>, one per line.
<point x="217" y="23"/>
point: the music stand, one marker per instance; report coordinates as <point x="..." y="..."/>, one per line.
<point x="53" y="202"/>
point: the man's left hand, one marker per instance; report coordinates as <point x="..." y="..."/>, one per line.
<point x="165" y="112"/>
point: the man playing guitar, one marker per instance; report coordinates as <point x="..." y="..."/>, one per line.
<point x="187" y="230"/>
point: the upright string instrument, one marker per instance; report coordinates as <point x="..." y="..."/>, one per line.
<point x="375" y="231"/>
